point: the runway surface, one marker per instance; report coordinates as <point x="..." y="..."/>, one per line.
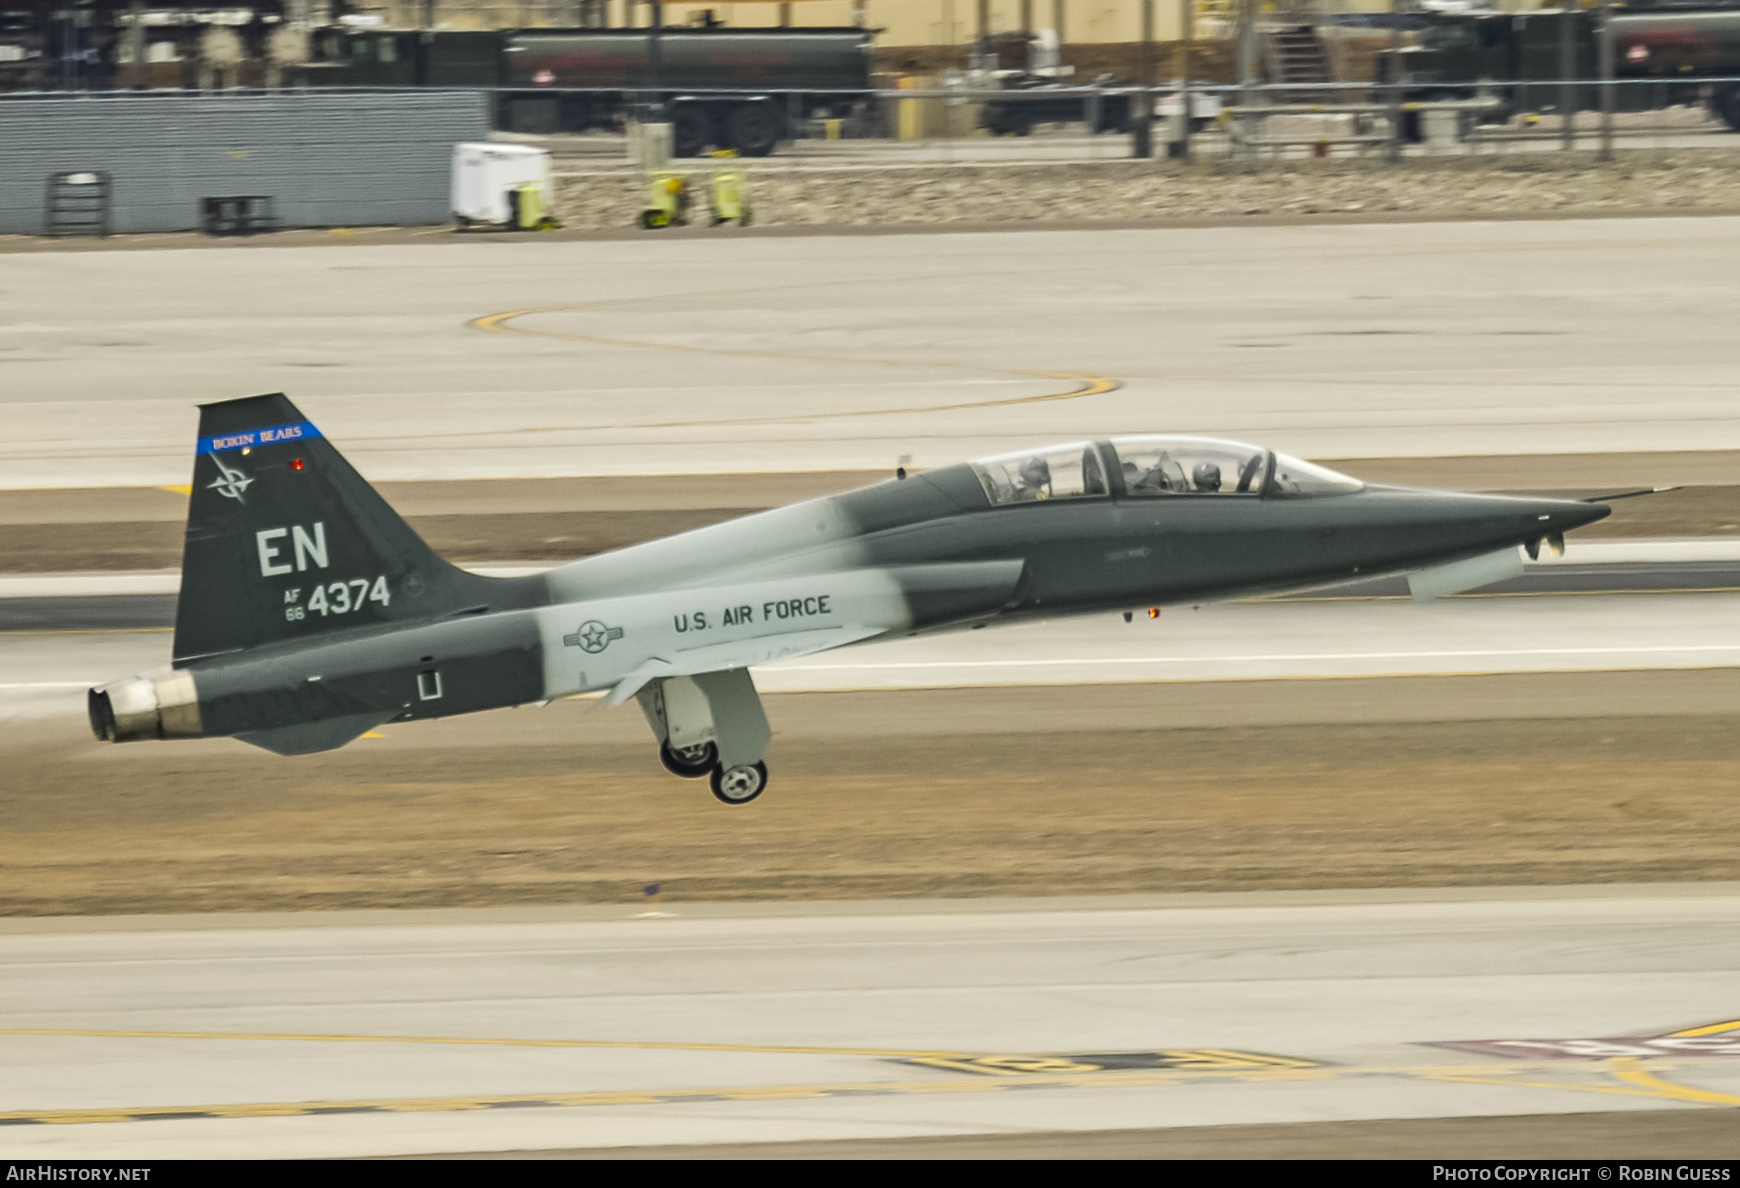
<point x="583" y="1028"/>
<point x="508" y="359"/>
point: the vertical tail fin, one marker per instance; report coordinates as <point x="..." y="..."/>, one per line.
<point x="286" y="541"/>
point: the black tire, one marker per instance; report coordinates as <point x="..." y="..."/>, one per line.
<point x="740" y="785"/>
<point x="692" y="130"/>
<point x="753" y="129"/>
<point x="1725" y="104"/>
<point x="693" y="763"/>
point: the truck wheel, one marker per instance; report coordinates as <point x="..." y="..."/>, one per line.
<point x="691" y="130"/>
<point x="753" y="129"/>
<point x="1726" y="105"/>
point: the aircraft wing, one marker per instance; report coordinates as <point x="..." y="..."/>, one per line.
<point x="864" y="603"/>
<point x="739" y="654"/>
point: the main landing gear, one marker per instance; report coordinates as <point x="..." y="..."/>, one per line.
<point x="710" y="725"/>
<point x="689" y="762"/>
<point x="732" y="785"/>
<point x="739" y="785"/>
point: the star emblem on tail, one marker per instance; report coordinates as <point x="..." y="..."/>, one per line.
<point x="230" y="482"/>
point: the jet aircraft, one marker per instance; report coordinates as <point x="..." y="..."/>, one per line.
<point x="310" y="612"/>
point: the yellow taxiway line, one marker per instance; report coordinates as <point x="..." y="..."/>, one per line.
<point x="1625" y="1076"/>
<point x="1084" y="385"/>
<point x="1640" y="1082"/>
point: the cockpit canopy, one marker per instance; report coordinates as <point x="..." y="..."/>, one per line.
<point x="1154" y="466"/>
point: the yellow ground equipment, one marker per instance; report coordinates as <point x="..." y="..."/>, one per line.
<point x="667" y="201"/>
<point x="730" y="193"/>
<point x="529" y="211"/>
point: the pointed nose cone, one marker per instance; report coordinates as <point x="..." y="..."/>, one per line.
<point x="1562" y="515"/>
<point x="1446" y="523"/>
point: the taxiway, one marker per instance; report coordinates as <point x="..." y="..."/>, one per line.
<point x="623" y="358"/>
<point x="597" y="1028"/>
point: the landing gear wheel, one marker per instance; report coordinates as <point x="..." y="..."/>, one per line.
<point x="689" y="762"/>
<point x="739" y="785"/>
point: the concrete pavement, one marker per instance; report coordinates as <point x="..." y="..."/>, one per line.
<point x="496" y="1032"/>
<point x="526" y="359"/>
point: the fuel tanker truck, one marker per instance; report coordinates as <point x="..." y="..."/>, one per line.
<point x="736" y="88"/>
<point x="1674" y="54"/>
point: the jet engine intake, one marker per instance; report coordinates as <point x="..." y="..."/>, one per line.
<point x="165" y="706"/>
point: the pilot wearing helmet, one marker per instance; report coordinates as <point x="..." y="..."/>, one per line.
<point x="1035" y="478"/>
<point x="1205" y="476"/>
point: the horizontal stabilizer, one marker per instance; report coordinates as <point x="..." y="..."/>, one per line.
<point x="305" y="738"/>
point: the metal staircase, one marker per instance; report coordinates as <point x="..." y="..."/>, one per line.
<point x="1294" y="54"/>
<point x="1294" y="50"/>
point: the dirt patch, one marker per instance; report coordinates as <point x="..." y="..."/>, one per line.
<point x="942" y="793"/>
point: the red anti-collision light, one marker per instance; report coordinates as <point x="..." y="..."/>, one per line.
<point x="1153" y="612"/>
<point x="295" y="464"/>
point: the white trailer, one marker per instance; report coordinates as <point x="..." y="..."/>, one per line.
<point x="486" y="177"/>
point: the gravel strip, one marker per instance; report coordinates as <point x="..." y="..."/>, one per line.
<point x="1660" y="181"/>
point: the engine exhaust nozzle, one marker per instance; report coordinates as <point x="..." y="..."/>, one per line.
<point x="165" y="706"/>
